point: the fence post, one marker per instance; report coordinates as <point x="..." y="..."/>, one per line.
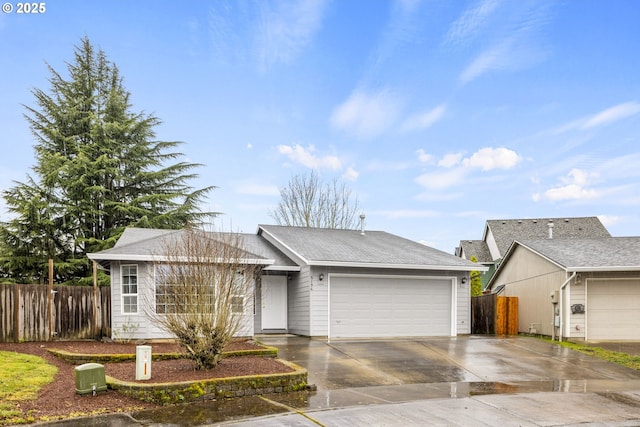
<point x="16" y="314"/>
<point x="95" y="300"/>
<point x="50" y="299"/>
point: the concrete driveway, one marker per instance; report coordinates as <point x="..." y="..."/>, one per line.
<point x="464" y="381"/>
<point x="381" y="371"/>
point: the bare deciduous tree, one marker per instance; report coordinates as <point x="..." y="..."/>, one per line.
<point x="204" y="285"/>
<point x="306" y="202"/>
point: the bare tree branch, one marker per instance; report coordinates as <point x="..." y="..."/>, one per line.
<point x="203" y="288"/>
<point x="306" y="202"/>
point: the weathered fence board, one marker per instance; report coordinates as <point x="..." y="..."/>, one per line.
<point x="491" y="314"/>
<point x="507" y="316"/>
<point x="25" y="314"/>
<point x="483" y="313"/>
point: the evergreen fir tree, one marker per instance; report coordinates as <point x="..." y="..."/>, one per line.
<point x="98" y="169"/>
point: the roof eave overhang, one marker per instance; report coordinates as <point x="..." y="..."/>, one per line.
<point x="282" y="268"/>
<point x="399" y="266"/>
<point x="161" y="258"/>
<point x="617" y="268"/>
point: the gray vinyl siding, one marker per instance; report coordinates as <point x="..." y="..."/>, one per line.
<point x="257" y="306"/>
<point x="319" y="308"/>
<point x="136" y="326"/>
<point x="140" y="326"/>
<point x="299" y="302"/>
<point x="463" y="305"/>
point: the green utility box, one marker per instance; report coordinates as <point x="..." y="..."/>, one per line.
<point x="90" y="378"/>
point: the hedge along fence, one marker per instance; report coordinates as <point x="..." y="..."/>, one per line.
<point x="28" y="314"/>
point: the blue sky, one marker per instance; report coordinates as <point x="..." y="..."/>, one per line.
<point x="439" y="115"/>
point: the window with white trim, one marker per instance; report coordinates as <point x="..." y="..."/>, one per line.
<point x="129" y="287"/>
<point x="237" y="304"/>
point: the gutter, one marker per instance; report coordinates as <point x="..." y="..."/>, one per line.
<point x="561" y="302"/>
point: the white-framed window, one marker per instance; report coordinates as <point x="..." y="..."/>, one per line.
<point x="237" y="304"/>
<point x="176" y="295"/>
<point x="129" y="287"/>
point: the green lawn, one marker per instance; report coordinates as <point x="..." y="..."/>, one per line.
<point x="21" y="376"/>
<point x="622" y="359"/>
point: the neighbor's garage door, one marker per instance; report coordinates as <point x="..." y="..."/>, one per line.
<point x="613" y="309"/>
<point x="363" y="307"/>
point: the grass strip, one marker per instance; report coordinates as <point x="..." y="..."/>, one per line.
<point x="21" y="377"/>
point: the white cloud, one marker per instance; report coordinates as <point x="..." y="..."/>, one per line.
<point x="516" y="41"/>
<point x="453" y="169"/>
<point x="605" y="117"/>
<point x="575" y="187"/>
<point x="287" y="28"/>
<point x="471" y="21"/>
<point x="489" y="158"/>
<point x="308" y="157"/>
<point x="424" y="120"/>
<point x="450" y="160"/>
<point x="613" y="114"/>
<point x="423" y="156"/>
<point x="366" y="115"/>
<point x="351" y="174"/>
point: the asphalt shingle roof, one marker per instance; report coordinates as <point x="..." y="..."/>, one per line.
<point x="477" y="248"/>
<point x="505" y="231"/>
<point x="328" y="246"/>
<point x="149" y="242"/>
<point x="584" y="254"/>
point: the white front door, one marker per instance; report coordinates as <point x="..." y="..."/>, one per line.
<point x="274" y="302"/>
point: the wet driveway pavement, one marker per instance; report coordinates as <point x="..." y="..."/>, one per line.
<point x="508" y="381"/>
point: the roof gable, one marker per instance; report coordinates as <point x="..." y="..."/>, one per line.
<point x="138" y="244"/>
<point x="505" y="231"/>
<point x="477" y="248"/>
<point x="603" y="254"/>
<point x="339" y="247"/>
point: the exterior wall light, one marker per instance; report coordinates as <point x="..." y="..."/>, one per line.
<point x="321" y="276"/>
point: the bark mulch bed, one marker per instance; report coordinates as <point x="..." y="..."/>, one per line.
<point x="59" y="399"/>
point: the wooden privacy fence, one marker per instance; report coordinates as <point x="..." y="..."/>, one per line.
<point x="28" y="314"/>
<point x="491" y="314"/>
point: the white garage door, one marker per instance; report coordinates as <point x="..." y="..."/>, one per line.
<point x="362" y="307"/>
<point x="613" y="310"/>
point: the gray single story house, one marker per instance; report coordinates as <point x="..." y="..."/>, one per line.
<point x="585" y="289"/>
<point x="315" y="282"/>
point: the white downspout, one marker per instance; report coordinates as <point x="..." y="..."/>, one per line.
<point x="561" y="302"/>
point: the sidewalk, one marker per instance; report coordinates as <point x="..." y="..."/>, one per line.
<point x="531" y="409"/>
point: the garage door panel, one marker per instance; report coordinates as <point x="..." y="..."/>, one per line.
<point x="389" y="307"/>
<point x="613" y="310"/>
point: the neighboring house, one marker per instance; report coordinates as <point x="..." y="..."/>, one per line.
<point x="574" y="288"/>
<point x="500" y="233"/>
<point x="314" y="282"/>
